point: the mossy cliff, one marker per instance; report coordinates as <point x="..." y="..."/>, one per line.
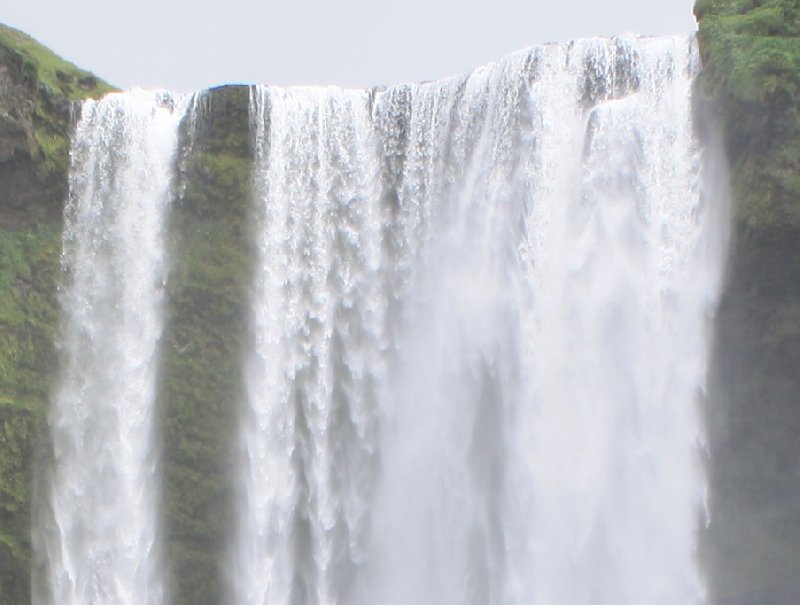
<point x="751" y="81"/>
<point x="207" y="317"/>
<point x="36" y="88"/>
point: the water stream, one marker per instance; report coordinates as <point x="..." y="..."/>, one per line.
<point x="100" y="534"/>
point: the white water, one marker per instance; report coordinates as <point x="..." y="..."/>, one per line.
<point x="99" y="538"/>
<point x="479" y="336"/>
<point x="316" y="363"/>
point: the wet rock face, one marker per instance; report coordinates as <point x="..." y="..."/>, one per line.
<point x="17" y="142"/>
<point x="19" y="186"/>
<point x="15" y="137"/>
<point x="16" y="106"/>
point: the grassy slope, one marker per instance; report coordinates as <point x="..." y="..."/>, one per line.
<point x="61" y="77"/>
<point x="50" y="83"/>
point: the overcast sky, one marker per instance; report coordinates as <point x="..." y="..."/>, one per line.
<point x="182" y="45"/>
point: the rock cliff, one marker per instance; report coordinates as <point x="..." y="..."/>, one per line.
<point x="751" y="80"/>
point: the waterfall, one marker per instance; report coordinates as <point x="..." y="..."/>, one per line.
<point x="311" y="427"/>
<point x="478" y="336"/>
<point x="99" y="535"/>
<point x="479" y="320"/>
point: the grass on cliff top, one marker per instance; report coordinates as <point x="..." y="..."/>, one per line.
<point x="754" y="46"/>
<point x="751" y="56"/>
<point x="61" y="76"/>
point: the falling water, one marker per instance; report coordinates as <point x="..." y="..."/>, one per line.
<point x="480" y="335"/>
<point x="478" y="340"/>
<point x="100" y="535"/>
<point x="316" y="361"/>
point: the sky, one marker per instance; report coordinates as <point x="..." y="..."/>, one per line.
<point x="184" y="45"/>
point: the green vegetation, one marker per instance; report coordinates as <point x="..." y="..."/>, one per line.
<point x="755" y="49"/>
<point x="36" y="108"/>
<point x="751" y="80"/>
<point x="43" y="67"/>
<point x="37" y="88"/>
<point x="29" y="268"/>
<point x="751" y="53"/>
<point x="201" y="381"/>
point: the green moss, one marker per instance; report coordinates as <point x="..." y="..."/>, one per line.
<point x="52" y="158"/>
<point x="201" y="379"/>
<point x="29" y="270"/>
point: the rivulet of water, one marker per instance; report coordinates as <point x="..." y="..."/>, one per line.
<point x="311" y="419"/>
<point x="99" y="535"/>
